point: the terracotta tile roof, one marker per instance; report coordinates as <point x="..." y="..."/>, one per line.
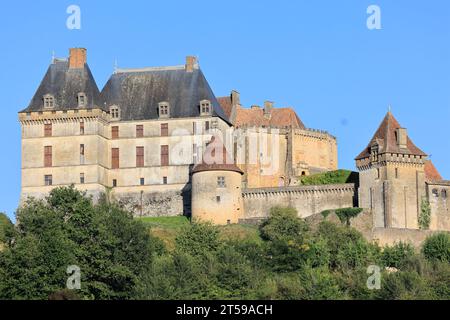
<point x="279" y="118"/>
<point x="220" y="161"/>
<point x="385" y="136"/>
<point x="431" y="173"/>
<point x="225" y="103"/>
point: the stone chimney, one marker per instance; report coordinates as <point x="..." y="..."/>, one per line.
<point x="191" y="63"/>
<point x="268" y="106"/>
<point x="77" y="58"/>
<point x="235" y="98"/>
<point x="402" y="138"/>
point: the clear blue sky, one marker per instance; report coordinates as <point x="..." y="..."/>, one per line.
<point x="317" y="56"/>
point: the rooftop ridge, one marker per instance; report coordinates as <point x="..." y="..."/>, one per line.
<point x="148" y="69"/>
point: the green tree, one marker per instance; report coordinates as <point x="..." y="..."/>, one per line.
<point x="425" y="214"/>
<point x="398" y="256"/>
<point x="437" y="247"/>
<point x="198" y="239"/>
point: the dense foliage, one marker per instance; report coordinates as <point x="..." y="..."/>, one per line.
<point x="119" y="258"/>
<point x="331" y="177"/>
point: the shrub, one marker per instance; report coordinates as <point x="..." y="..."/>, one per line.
<point x="346" y="214"/>
<point x="198" y="239"/>
<point x="283" y="225"/>
<point x="398" y="256"/>
<point x="425" y="214"/>
<point x="437" y="247"/>
<point x="6" y="228"/>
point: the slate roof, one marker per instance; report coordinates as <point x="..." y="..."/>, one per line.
<point x="385" y="137"/>
<point x="65" y="84"/>
<point x="138" y="92"/>
<point x="216" y="162"/>
<point x="279" y="118"/>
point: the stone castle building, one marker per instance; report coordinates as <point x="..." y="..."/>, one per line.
<point x="140" y="137"/>
<point x="158" y="141"/>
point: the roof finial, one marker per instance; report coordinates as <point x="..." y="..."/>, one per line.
<point x="389" y="108"/>
<point x="115" y="66"/>
<point x="53" y="56"/>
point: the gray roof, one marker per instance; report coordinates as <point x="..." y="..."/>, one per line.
<point x="138" y="93"/>
<point x="65" y="84"/>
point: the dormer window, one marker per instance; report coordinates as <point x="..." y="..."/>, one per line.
<point x="164" y="109"/>
<point x="82" y="99"/>
<point x="205" y="108"/>
<point x="114" y="112"/>
<point x="49" y="101"/>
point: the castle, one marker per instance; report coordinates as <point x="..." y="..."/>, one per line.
<point x="158" y="141"/>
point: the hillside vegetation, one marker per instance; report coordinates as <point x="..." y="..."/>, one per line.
<point x="331" y="177"/>
<point x="120" y="257"/>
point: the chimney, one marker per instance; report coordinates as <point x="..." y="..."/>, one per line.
<point x="402" y="138"/>
<point x="268" y="106"/>
<point x="191" y="63"/>
<point x="235" y="98"/>
<point x="77" y="58"/>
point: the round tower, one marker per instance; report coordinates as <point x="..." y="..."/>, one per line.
<point x="216" y="187"/>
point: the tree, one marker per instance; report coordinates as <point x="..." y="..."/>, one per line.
<point x="437" y="247"/>
<point x="425" y="214"/>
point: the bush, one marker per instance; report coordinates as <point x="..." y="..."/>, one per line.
<point x="283" y="225"/>
<point x="198" y="239"/>
<point x="6" y="228"/>
<point x="398" y="256"/>
<point x="346" y="214"/>
<point x="425" y="214"/>
<point x="437" y="247"/>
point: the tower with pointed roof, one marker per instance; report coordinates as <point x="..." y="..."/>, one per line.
<point x="392" y="176"/>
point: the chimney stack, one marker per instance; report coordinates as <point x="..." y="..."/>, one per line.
<point x="191" y="63"/>
<point x="77" y="58"/>
<point x="268" y="106"/>
<point x="402" y="138"/>
<point x="235" y="98"/>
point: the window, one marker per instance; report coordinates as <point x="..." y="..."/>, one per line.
<point x="164" y="129"/>
<point x="47" y="156"/>
<point x="81" y="128"/>
<point x="218" y="199"/>
<point x="164" y="156"/>
<point x="82" y="100"/>
<point x="221" y="182"/>
<point x="139" y="157"/>
<point x="228" y="221"/>
<point x="205" y="107"/>
<point x="164" y="109"/>
<point x="214" y="124"/>
<point x="49" y="101"/>
<point x="82" y="178"/>
<point x="396" y="173"/>
<point x="194" y="128"/>
<point x="378" y="173"/>
<point x="48" y="180"/>
<point x="444" y="194"/>
<point x="114" y="183"/>
<point x="142" y="181"/>
<point x="115" y="112"/>
<point x="115" y="132"/>
<point x="81" y="153"/>
<point x="435" y="193"/>
<point x="139" y="131"/>
<point x="47" y="130"/>
<point x="115" y="158"/>
<point x="206" y="126"/>
<point x="164" y="180"/>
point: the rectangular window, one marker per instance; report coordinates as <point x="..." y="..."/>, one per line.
<point x="139" y="131"/>
<point x="81" y="153"/>
<point x="164" y="156"/>
<point x="221" y="182"/>
<point x="164" y="129"/>
<point x="48" y="180"/>
<point x="81" y="128"/>
<point x="218" y="199"/>
<point x="139" y="156"/>
<point x="48" y="156"/>
<point x="82" y="178"/>
<point x="47" y="130"/>
<point x="396" y="173"/>
<point x="115" y="132"/>
<point x="142" y="181"/>
<point x="114" y="183"/>
<point x="164" y="180"/>
<point x="115" y="158"/>
<point x="207" y="126"/>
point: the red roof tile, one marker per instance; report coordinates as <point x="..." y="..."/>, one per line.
<point x="279" y="118"/>
<point x="385" y="136"/>
<point x="227" y="106"/>
<point x="431" y="173"/>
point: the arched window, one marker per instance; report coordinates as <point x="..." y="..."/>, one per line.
<point x="444" y="194"/>
<point x="49" y="101"/>
<point x="435" y="193"/>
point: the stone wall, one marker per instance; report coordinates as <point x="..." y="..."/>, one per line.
<point x="308" y="200"/>
<point x="390" y="236"/>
